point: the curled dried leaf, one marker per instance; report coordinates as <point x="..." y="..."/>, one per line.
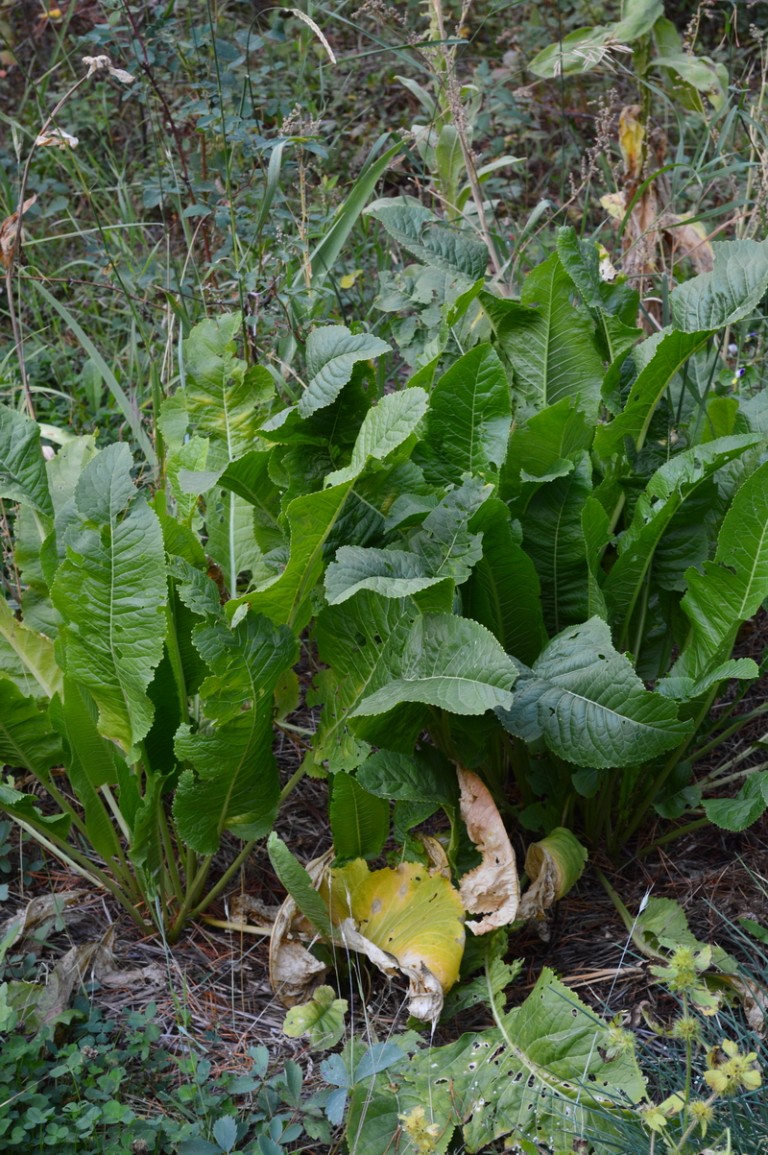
<point x="294" y="971"/>
<point x="492" y="888"/>
<point x="553" y="865"/>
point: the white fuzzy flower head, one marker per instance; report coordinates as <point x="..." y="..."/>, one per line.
<point x="103" y="66"/>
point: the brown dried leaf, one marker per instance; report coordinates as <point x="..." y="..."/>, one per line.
<point x="8" y="229"/>
<point x="493" y="887"/>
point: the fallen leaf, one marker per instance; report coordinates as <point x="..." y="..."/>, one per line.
<point x="492" y="888"/>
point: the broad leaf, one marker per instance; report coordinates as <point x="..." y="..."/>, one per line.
<point x="222" y="395"/>
<point x="332" y="352"/>
<point x="22" y="466"/>
<point x="91" y="761"/>
<point x="503" y="592"/>
<point x="360" y="642"/>
<point x="111" y="591"/>
<point x="729" y="293"/>
<point x="410" y="778"/>
<point x="549" y="341"/>
<point x="442" y="549"/>
<point x="669" y="350"/>
<point x="298" y="883"/>
<point x="733" y="586"/>
<point x="554" y="538"/>
<point x="26" y="657"/>
<point x="469" y="419"/>
<point x="740" y="812"/>
<point x="311" y="519"/>
<point x="547" y="1073"/>
<point x="418" y="230"/>
<point x="384" y="429"/>
<point x="26" y="738"/>
<point x="449" y="662"/>
<point x="665" y="493"/>
<point x="588" y="703"/>
<point x="322" y="1019"/>
<point x="235" y="784"/>
<point x="359" y="820"/>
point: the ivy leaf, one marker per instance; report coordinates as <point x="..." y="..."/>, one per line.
<point x="588" y="703"/>
<point x="22" y="465"/>
<point x="332" y="352"/>
<point x="111" y="591"/>
<point x="449" y="662"/>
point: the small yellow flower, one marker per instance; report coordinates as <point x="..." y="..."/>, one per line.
<point x="730" y="1071"/>
<point x="654" y="1118"/>
<point x="423" y="1135"/>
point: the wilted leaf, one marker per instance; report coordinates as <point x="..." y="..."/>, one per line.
<point x="405" y="920"/>
<point x="492" y="888"/>
<point x="553" y="865"/>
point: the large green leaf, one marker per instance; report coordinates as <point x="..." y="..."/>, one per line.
<point x="222" y="395"/>
<point x="449" y="662"/>
<point x="332" y="352"/>
<point x="551" y="1075"/>
<point x="419" y="777"/>
<point x="732" y="291"/>
<point x="418" y="230"/>
<point x="549" y="341"/>
<point x="359" y="820"/>
<point x="26" y="738"/>
<point x="22" y="466"/>
<point x="663" y="354"/>
<point x="27" y="657"/>
<point x="360" y="643"/>
<point x="503" y="591"/>
<point x="235" y="784"/>
<point x="588" y="703"/>
<point x="585" y="49"/>
<point x="469" y="419"/>
<point x="665" y="493"/>
<point x="442" y="549"/>
<point x="554" y="538"/>
<point x="111" y="591"/>
<point x="312" y="519"/>
<point x="384" y="429"/>
<point x="733" y="586"/>
<point x="91" y="761"/>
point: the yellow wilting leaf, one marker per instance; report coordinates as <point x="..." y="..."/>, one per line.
<point x="492" y="888"/>
<point x="405" y="920"/>
<point x="554" y="865"/>
<point x="632" y="141"/>
<point x="689" y="239"/>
